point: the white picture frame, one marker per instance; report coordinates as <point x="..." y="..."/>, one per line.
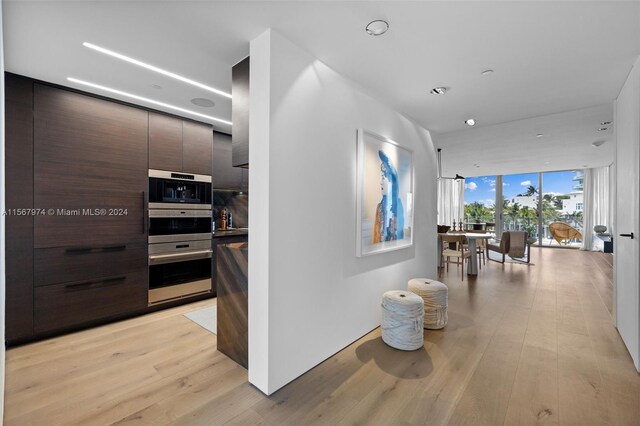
<point x="385" y="195"/>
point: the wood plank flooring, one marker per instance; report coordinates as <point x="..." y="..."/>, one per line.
<point x="524" y="345"/>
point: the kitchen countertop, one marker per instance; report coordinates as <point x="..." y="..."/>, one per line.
<point x="230" y="232"/>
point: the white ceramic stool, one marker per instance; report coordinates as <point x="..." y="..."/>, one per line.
<point x="402" y="318"/>
<point x="435" y="295"/>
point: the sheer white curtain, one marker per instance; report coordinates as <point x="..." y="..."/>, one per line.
<point x="596" y="206"/>
<point x="450" y="201"/>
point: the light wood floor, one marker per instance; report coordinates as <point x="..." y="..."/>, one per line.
<point x="524" y="345"/>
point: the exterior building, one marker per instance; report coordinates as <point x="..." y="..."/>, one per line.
<point x="575" y="203"/>
<point x="530" y="201"/>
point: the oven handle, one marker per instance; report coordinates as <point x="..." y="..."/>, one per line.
<point x="159" y="259"/>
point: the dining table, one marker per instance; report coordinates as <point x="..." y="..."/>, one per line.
<point x="472" y="237"/>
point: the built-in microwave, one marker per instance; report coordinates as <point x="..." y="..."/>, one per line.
<point x="171" y="190"/>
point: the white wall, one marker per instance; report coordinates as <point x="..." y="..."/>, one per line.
<point x="2" y="233"/>
<point x="309" y="295"/>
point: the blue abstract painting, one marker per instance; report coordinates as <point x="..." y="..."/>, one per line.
<point x="385" y="194"/>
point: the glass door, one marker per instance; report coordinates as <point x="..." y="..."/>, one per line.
<point x="479" y="202"/>
<point x="562" y="208"/>
<point x="520" y="204"/>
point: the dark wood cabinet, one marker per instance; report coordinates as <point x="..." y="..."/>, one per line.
<point x="79" y="220"/>
<point x="19" y="195"/>
<point x="240" y="113"/>
<point x="90" y="156"/>
<point x="81" y="163"/>
<point x="197" y="142"/>
<point x="90" y="175"/>
<point x="87" y="144"/>
<point x="76" y="263"/>
<point x="179" y="145"/>
<point x="66" y="305"/>
<point x="165" y="142"/>
<point x="224" y="175"/>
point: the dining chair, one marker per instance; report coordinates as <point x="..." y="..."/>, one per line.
<point x="460" y="252"/>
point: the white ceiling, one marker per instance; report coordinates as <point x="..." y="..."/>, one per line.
<point x="548" y="57"/>
<point x="514" y="147"/>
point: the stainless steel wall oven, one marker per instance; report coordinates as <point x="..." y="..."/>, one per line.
<point x="179" y="225"/>
<point x="178" y="270"/>
<point x="180" y="232"/>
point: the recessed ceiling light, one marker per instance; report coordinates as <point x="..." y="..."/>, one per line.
<point x="156" y="86"/>
<point x="203" y="102"/>
<point x="439" y="90"/>
<point x="377" y="27"/>
<point x="151" y="101"/>
<point x="155" y="69"/>
<point x="606" y="123"/>
<point x="539" y="135"/>
<point x="470" y="122"/>
<point x="487" y="72"/>
<point x="602" y="129"/>
<point x="597" y="143"/>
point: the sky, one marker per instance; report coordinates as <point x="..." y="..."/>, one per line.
<point x="483" y="188"/>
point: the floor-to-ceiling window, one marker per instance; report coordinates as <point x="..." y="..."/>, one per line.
<point x="562" y="208"/>
<point x="520" y="204"/>
<point x="479" y="199"/>
<point x="548" y="206"/>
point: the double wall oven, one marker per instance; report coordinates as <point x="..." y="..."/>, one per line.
<point x="180" y="230"/>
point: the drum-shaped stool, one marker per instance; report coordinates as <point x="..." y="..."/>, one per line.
<point x="402" y="318"/>
<point x="435" y="295"/>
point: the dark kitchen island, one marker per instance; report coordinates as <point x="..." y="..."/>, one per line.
<point x="233" y="292"/>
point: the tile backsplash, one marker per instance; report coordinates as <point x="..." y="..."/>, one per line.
<point x="236" y="202"/>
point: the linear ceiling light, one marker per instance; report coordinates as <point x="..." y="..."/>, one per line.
<point x="155" y="69"/>
<point x="151" y="101"/>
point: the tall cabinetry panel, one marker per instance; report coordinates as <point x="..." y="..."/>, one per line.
<point x="179" y="145"/>
<point x="19" y="195"/>
<point x="89" y="154"/>
<point x="90" y="163"/>
<point x="224" y="175"/>
<point x="165" y="142"/>
<point x="197" y="142"/>
<point x="240" y="112"/>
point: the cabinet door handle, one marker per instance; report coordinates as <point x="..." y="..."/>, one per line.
<point x="109" y="280"/>
<point x="627" y="235"/>
<point x="144" y="216"/>
<point x="159" y="259"/>
<point x="87" y="250"/>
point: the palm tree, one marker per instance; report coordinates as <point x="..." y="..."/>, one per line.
<point x="558" y="201"/>
<point x="576" y="218"/>
<point x="477" y="211"/>
<point x="531" y="190"/>
<point x="550" y="212"/>
<point x="514" y="209"/>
